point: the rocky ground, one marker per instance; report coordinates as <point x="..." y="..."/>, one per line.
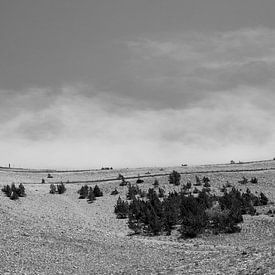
<point x="60" y="234"/>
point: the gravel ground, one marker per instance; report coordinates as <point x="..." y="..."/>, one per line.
<point x="60" y="234"/>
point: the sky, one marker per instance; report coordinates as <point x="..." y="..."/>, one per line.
<point x="124" y="83"/>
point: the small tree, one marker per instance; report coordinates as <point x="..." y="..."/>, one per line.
<point x="188" y="185"/>
<point x="83" y="192"/>
<point x="193" y="217"/>
<point x="121" y="209"/>
<point x="97" y="192"/>
<point x="206" y="181"/>
<point x="61" y="188"/>
<point x="123" y="181"/>
<point x="21" y="190"/>
<point x="174" y="178"/>
<point x="263" y="199"/>
<point x="161" y="193"/>
<point x="198" y="181"/>
<point x="14" y="195"/>
<point x="91" y="195"/>
<point x="7" y="190"/>
<point x="156" y="183"/>
<point x="52" y="189"/>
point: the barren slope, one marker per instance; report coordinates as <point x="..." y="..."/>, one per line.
<point x="60" y="234"/>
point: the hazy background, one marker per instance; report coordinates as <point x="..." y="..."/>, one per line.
<point x="125" y="83"/>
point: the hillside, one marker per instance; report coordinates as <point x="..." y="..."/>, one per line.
<point x="60" y="234"/>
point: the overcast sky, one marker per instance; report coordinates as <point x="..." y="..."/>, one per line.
<point x="130" y="83"/>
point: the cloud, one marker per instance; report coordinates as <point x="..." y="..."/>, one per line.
<point x="178" y="69"/>
<point x="184" y="98"/>
<point x="77" y="130"/>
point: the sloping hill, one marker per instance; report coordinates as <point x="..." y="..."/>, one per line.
<point x="60" y="234"/>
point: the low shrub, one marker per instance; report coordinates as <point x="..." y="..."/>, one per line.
<point x="114" y="192"/>
<point x="139" y="180"/>
<point x="243" y="181"/>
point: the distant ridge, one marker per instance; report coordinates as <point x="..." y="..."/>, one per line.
<point x="36" y="170"/>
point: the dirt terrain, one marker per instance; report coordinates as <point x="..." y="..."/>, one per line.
<point x="60" y="234"/>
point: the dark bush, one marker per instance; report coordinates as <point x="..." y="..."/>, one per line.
<point x="171" y="214"/>
<point x="133" y="191"/>
<point x="61" y="188"/>
<point x="156" y="183"/>
<point x="83" y="192"/>
<point x="115" y="192"/>
<point x="206" y="184"/>
<point x="161" y="192"/>
<point x="254" y="180"/>
<point x="7" y="190"/>
<point x="121" y="209"/>
<point x="193" y="217"/>
<point x="228" y="184"/>
<point x="52" y="189"/>
<point x="198" y="181"/>
<point x="243" y="181"/>
<point x="206" y="181"/>
<point x="123" y="181"/>
<point x="14" y="192"/>
<point x="263" y="199"/>
<point x="97" y="192"/>
<point x="139" y="180"/>
<point x="221" y="221"/>
<point x="14" y="195"/>
<point x="91" y="195"/>
<point x="21" y="190"/>
<point x="174" y="178"/>
<point x="188" y="185"/>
